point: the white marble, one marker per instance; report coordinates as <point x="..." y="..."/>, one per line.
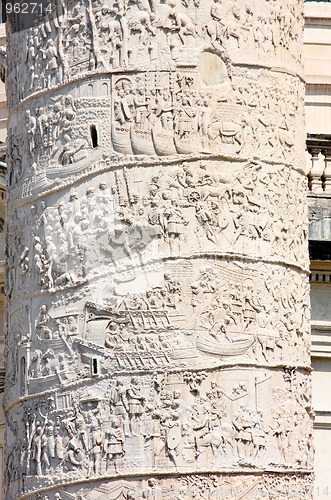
<point x="157" y="281"/>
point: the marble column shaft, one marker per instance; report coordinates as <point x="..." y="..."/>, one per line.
<point x="158" y="339"/>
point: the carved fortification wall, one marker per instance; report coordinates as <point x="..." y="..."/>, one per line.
<point x="158" y="339"/>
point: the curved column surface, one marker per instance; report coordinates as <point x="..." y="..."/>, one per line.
<point x="157" y="270"/>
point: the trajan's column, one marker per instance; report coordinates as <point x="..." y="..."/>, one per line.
<point x="157" y="274"/>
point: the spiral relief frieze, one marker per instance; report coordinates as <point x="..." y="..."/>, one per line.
<point x="158" y="341"/>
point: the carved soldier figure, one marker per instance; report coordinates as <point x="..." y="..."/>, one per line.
<point x="175" y="225"/>
<point x="117" y="401"/>
<point x="136" y="405"/>
<point x="243" y="424"/>
<point x="164" y="109"/>
<point x="250" y="307"/>
<point x="114" y="444"/>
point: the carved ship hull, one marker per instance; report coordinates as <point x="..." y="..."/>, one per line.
<point x="32" y="185"/>
<point x="63" y="171"/>
<point x="139" y="361"/>
<point x="121" y="141"/>
<point x="46" y="381"/>
<point x="186" y="147"/>
<point x="142" y="144"/>
<point x="142" y="320"/>
<point x="164" y="142"/>
<point x="236" y="348"/>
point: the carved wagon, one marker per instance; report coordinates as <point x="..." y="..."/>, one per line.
<point x="228" y="131"/>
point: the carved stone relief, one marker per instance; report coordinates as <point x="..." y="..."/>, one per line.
<point x="198" y="487"/>
<point x="101" y="36"/>
<point x="157" y="292"/>
<point x="206" y="313"/>
<point x="131" y="217"/>
<point x="197" y="317"/>
<point x="247" y="418"/>
<point x="125" y="118"/>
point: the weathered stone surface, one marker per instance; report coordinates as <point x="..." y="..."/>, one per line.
<point x="158" y="338"/>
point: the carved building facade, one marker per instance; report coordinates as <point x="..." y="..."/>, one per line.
<point x="157" y="292"/>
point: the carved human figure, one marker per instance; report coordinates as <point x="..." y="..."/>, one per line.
<point x="95" y="452"/>
<point x="42" y="322"/>
<point x="175" y="224"/>
<point x="114" y="444"/>
<point x="153" y="491"/>
<point x="281" y="427"/>
<point x="50" y="54"/>
<point x="243" y="425"/>
<point x="35" y="364"/>
<point x="182" y="24"/>
<point x="259" y="435"/>
<point x="72" y="327"/>
<point x="31" y="125"/>
<point x="164" y="109"/>
<point x="201" y="426"/>
<point x="185" y="113"/>
<point x="173" y="431"/>
<point x="74" y="457"/>
<point x="37" y="449"/>
<point x="250" y="307"/>
<point x="135" y="405"/>
<point x="118" y="404"/>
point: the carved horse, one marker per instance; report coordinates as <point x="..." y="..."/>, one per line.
<point x="219" y="436"/>
<point x="214" y="30"/>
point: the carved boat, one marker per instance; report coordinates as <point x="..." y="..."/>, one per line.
<point x="235" y="348"/>
<point x="184" y="353"/>
<point x="57" y="171"/>
<point x="67" y="496"/>
<point x="35" y="184"/>
<point x="164" y="142"/>
<point x="32" y="186"/>
<point x="121" y="140"/>
<point x="142" y="143"/>
<point x="186" y="147"/>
